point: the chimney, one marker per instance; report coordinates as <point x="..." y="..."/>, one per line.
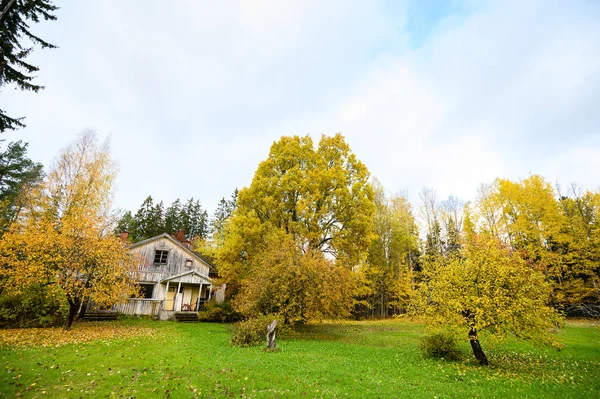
<point x="125" y="236"/>
<point x="186" y="243"/>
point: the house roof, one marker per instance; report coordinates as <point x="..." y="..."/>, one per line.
<point x="211" y="266"/>
<point x="185" y="274"/>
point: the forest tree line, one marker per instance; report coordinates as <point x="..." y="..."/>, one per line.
<point x="186" y="220"/>
<point x="554" y="230"/>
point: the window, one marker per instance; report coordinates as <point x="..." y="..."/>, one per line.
<point x="146" y="290"/>
<point x="160" y="257"/>
<point x="189" y="263"/>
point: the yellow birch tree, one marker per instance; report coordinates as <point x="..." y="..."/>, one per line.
<point x="65" y="238"/>
<point x="389" y="270"/>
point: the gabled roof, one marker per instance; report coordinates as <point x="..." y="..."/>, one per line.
<point x="185" y="274"/>
<point x="212" y="268"/>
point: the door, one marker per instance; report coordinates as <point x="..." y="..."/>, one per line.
<point x="170" y="299"/>
<point x="187" y="299"/>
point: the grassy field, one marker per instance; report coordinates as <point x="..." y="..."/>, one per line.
<point x="375" y="359"/>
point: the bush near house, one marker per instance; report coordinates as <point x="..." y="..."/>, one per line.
<point x="38" y="306"/>
<point x="219" y="312"/>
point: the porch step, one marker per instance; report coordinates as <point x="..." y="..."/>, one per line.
<point x="186" y="316"/>
<point x="100" y="316"/>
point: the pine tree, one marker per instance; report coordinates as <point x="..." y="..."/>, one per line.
<point x="194" y="220"/>
<point x="17" y="174"/>
<point x="156" y="222"/>
<point x="224" y="210"/>
<point x="147" y="221"/>
<point x="173" y="222"/>
<point x="433" y="241"/>
<point x="14" y="27"/>
<point x="125" y="223"/>
<point x="152" y="220"/>
<point x="452" y="244"/>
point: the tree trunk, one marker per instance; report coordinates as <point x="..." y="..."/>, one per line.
<point x="83" y="309"/>
<point x="271" y="335"/>
<point x="73" y="309"/>
<point x="477" y="351"/>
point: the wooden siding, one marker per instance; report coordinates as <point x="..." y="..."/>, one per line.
<point x="148" y="272"/>
<point x="136" y="306"/>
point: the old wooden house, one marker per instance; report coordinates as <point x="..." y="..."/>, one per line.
<point x="173" y="278"/>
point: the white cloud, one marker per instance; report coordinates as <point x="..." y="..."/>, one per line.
<point x="193" y="93"/>
<point x="502" y="94"/>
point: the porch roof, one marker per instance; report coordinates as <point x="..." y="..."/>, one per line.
<point x="192" y="277"/>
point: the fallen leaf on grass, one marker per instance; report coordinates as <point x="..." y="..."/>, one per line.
<point x="80" y="333"/>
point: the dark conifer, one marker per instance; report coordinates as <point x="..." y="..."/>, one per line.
<point x="16" y="43"/>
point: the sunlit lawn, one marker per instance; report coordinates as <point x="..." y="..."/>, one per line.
<point x="352" y="359"/>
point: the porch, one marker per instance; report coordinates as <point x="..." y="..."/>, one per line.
<point x="186" y="292"/>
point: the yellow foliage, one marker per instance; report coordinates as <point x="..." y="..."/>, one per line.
<point x="82" y="333"/>
<point x="488" y="288"/>
<point x="389" y="275"/>
<point x="321" y="200"/>
<point x="298" y="286"/>
<point x="555" y="234"/>
<point x="65" y="238"/>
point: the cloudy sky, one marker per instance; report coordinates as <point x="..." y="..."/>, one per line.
<point x="441" y="94"/>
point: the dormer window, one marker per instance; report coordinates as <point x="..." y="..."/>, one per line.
<point x="189" y="263"/>
<point x="160" y="257"/>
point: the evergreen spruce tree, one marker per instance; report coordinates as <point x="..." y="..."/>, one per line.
<point x="140" y="226"/>
<point x="15" y="16"/>
<point x="17" y="174"/>
<point x="156" y="221"/>
<point x="194" y="220"/>
<point x="173" y="222"/>
<point x="153" y="219"/>
<point x="224" y="210"/>
<point x="433" y="241"/>
<point x="125" y="223"/>
<point x="452" y="244"/>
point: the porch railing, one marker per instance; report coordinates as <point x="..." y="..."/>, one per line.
<point x="139" y="306"/>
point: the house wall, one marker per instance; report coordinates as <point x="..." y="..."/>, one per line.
<point x="159" y="291"/>
<point x="148" y="272"/>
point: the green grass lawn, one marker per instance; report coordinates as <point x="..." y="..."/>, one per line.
<point x="348" y="360"/>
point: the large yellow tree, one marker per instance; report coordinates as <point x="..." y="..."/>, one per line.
<point x="64" y="238"/>
<point x="319" y="197"/>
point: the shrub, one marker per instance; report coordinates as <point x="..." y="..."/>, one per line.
<point x="36" y="306"/>
<point x="219" y="312"/>
<point x="440" y="346"/>
<point x="253" y="332"/>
